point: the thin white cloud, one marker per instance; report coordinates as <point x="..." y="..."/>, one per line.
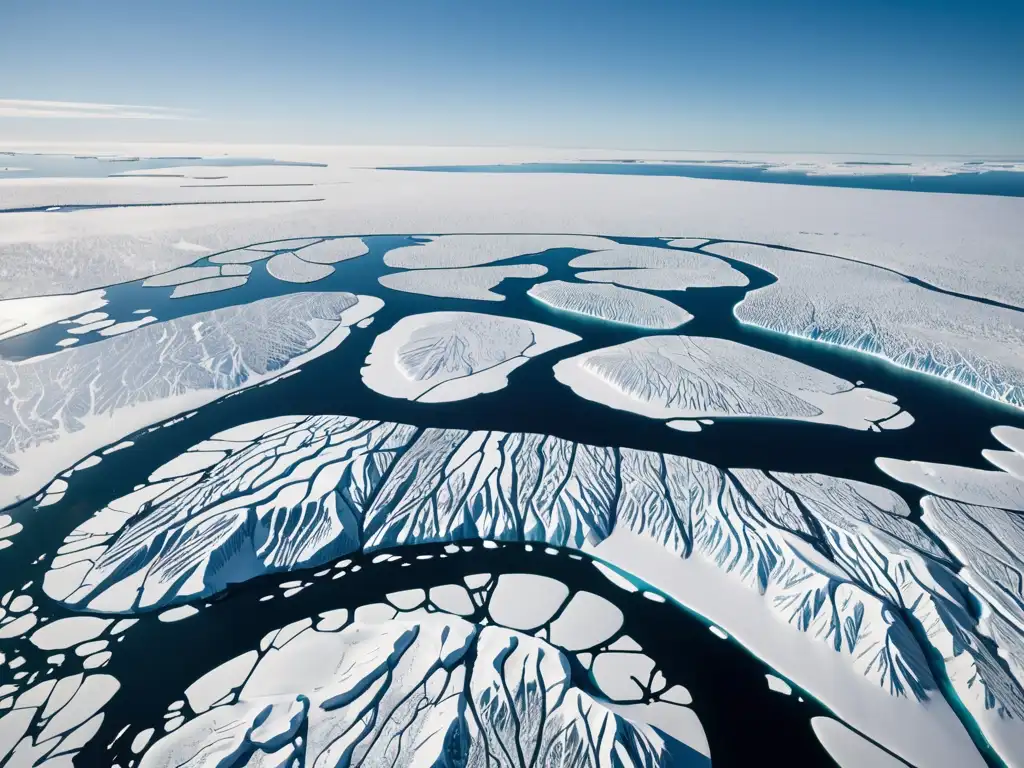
<point x="87" y="111"/>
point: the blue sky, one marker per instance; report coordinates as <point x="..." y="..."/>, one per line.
<point x="827" y="76"/>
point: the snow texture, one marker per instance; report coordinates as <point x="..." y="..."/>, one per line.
<point x="291" y="269"/>
<point x="825" y="579"/>
<point x="459" y="283"/>
<point x="612" y="304"/>
<point x="435" y="690"/>
<point x="692" y="377"/>
<point x="443" y="356"/>
<point x="19" y="316"/>
<point x="658" y="269"/>
<point x="977" y="345"/>
<point x="64" y="406"/>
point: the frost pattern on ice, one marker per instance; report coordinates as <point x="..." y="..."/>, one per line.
<point x="443" y="356"/>
<point x="872" y="310"/>
<point x="460" y="283"/>
<point x="692" y="377"/>
<point x="834" y="561"/>
<point x="89" y="396"/>
<point x="611" y="303"/>
<point x="431" y="690"/>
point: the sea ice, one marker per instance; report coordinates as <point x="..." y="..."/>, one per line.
<point x="823" y="578"/>
<point x="611" y="303"/>
<point x="291" y="269"/>
<point x="690" y="377"/>
<point x="65" y="406"/>
<point x="848" y="748"/>
<point x="181" y="276"/>
<point x="475" y="250"/>
<point x="460" y="283"/>
<point x="657" y="269"/>
<point x="19" y="316"/>
<point x="443" y="356"/>
<point x="207" y="285"/>
<point x="873" y="310"/>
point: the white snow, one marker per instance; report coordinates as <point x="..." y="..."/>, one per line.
<point x="691" y="377"/>
<point x="475" y="250"/>
<point x="779" y="685"/>
<point x="526" y="601"/>
<point x="18" y="316"/>
<point x="291" y="269"/>
<point x="611" y="303"/>
<point x="460" y="283"/>
<point x="444" y="356"/>
<point x="851" y="750"/>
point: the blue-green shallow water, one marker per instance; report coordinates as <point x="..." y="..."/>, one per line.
<point x="738" y="712"/>
<point x="1001" y="183"/>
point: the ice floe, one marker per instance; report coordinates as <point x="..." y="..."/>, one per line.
<point x="848" y="748"/>
<point x="475" y="250"/>
<point x="443" y="356"/>
<point x="422" y="690"/>
<point x="870" y="309"/>
<point x="691" y="377"/>
<point x="611" y="303"/>
<point x="19" y="316"/>
<point x="657" y="269"/>
<point x="207" y="285"/>
<point x="291" y="269"/>
<point x="460" y="283"/>
<point x="67" y="405"/>
<point x="828" y="580"/>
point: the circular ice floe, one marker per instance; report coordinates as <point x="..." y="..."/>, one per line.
<point x="611" y="303"/>
<point x="444" y="356"/>
<point x="291" y="269"/>
<point x="526" y="601"/>
<point x="689" y="377"/>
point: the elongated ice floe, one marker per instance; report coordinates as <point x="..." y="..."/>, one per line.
<point x="64" y="406"/>
<point x="828" y="580"/>
<point x="460" y="283"/>
<point x="475" y="250"/>
<point x="690" y="377"/>
<point x="291" y="269"/>
<point x="869" y="309"/>
<point x="437" y="690"/>
<point x="19" y="316"/>
<point x="443" y="356"/>
<point x="611" y="303"/>
<point x="658" y="269"/>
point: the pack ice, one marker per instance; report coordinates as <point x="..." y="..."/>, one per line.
<point x="825" y="579"/>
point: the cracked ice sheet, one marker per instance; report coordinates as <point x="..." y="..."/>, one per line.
<point x="690" y="377"/>
<point x="19" y="316"/>
<point x="475" y="250"/>
<point x="816" y="602"/>
<point x="658" y="269"/>
<point x="423" y="682"/>
<point x="611" y="303"/>
<point x="460" y="283"/>
<point x="865" y="308"/>
<point x="443" y="356"/>
<point x="67" y="405"/>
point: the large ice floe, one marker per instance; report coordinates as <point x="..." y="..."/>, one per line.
<point x="23" y="315"/>
<point x="873" y="310"/>
<point x="460" y="282"/>
<point x="443" y="356"/>
<point x="658" y="269"/>
<point x="685" y="378"/>
<point x="827" y="580"/>
<point x="611" y="303"/>
<point x="59" y="408"/>
<point x="976" y="513"/>
<point x="433" y="690"/>
<point x="475" y="250"/>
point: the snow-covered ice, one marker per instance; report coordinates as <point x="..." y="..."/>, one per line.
<point x="658" y="269"/>
<point x="691" y="377"/>
<point x="611" y="303"/>
<point x="476" y="250"/>
<point x="443" y="356"/>
<point x="461" y="282"/>
<point x="291" y="269"/>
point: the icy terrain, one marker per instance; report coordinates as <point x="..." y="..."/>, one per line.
<point x="825" y="579"/>
<point x="476" y="250"/>
<point x="657" y="269"/>
<point x="872" y="310"/>
<point x="611" y="303"/>
<point x="443" y="356"/>
<point x="460" y="282"/>
<point x="425" y="689"/>
<point x="684" y="378"/>
<point x="64" y="406"/>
